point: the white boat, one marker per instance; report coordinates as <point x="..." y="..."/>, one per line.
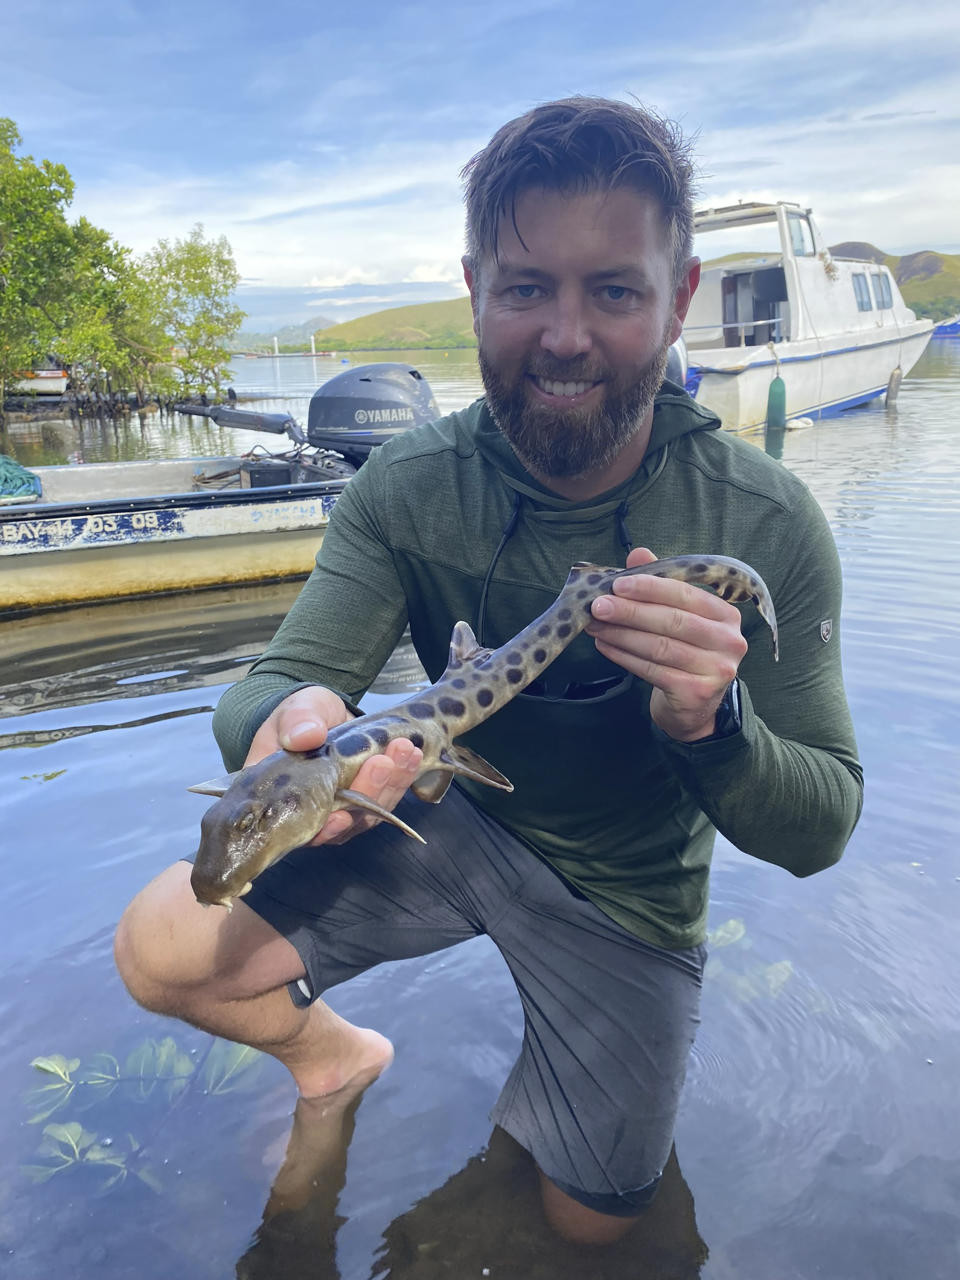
<point x="835" y="330"/>
<point x="41" y="382"/>
<point x="106" y="530"/>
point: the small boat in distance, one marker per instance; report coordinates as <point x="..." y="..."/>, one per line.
<point x="835" y="330"/>
<point x="50" y="381"/>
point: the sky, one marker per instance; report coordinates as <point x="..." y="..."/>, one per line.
<point x="326" y="141"/>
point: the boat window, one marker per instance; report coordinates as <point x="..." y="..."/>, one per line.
<point x="801" y="237"/>
<point x="862" y="291"/>
<point x="881" y="291"/>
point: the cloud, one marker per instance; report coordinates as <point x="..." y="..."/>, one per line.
<point x="329" y="150"/>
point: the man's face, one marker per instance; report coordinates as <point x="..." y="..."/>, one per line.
<point x="574" y="323"/>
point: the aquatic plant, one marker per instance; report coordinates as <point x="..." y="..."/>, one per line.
<point x="156" y="1073"/>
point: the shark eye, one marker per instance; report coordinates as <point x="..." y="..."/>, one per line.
<point x="248" y="820"/>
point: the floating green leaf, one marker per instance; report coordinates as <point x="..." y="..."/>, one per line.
<point x="99" y="1078"/>
<point x="777" y="976"/>
<point x="158" y="1063"/>
<point x="70" y="1146"/>
<point x="230" y="1067"/>
<point x="57" y="1065"/>
<point x="49" y="1098"/>
<point x="726" y="934"/>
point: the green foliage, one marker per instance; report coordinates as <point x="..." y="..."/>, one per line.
<point x="726" y="934"/>
<point x="194" y="280"/>
<point x="155" y="1075"/>
<point x="70" y="1147"/>
<point x="938" y="309"/>
<point x="69" y="289"/>
<point x="35" y="252"/>
<point x="435" y="326"/>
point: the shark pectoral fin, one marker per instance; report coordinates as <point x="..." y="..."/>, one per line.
<point x="356" y="800"/>
<point x="215" y="786"/>
<point x="432" y="787"/>
<point x="464" y="761"/>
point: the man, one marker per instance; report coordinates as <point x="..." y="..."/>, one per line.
<point x="642" y="739"/>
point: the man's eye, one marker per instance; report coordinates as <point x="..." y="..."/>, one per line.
<point x="526" y="290"/>
<point x="615" y="292"/>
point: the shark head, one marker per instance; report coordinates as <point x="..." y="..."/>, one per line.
<point x="262" y="816"/>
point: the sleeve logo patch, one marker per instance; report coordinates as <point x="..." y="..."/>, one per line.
<point x="826" y="630"/>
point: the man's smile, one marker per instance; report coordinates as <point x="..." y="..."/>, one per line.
<point x="552" y="389"/>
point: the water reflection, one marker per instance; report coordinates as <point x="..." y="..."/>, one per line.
<point x="486" y="1220"/>
<point x="819" y="1128"/>
<point x="275" y="385"/>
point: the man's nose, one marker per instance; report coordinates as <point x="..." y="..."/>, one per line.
<point x="567" y="331"/>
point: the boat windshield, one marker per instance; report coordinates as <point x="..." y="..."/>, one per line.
<point x="761" y="241"/>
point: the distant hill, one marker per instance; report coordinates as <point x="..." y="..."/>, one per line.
<point x="295" y="336"/>
<point x="929" y="281"/>
<point x="427" y="326"/>
<point x="861" y="249"/>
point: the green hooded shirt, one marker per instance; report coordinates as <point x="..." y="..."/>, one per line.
<point x="444" y="523"/>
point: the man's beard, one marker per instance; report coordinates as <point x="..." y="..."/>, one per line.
<point x="570" y="443"/>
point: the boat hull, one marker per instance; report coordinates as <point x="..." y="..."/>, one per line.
<point x="822" y="377"/>
<point x="71" y="552"/>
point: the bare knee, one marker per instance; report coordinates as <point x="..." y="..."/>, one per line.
<point x="575" y="1222"/>
<point x="177" y="957"/>
<point x="143" y="947"/>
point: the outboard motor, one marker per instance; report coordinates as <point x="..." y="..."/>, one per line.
<point x="364" y="407"/>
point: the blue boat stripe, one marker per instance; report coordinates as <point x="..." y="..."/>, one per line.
<point x="164" y="502"/>
<point x="816" y="355"/>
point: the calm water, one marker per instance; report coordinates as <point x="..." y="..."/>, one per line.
<point x="819" y="1135"/>
<point x="272" y="385"/>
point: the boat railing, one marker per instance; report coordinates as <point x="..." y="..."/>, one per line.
<point x="740" y="327"/>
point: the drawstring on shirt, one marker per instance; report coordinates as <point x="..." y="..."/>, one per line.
<point x="508" y="532"/>
<point x="622" y="526"/>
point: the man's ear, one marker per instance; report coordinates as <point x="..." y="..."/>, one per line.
<point x="683" y="296"/>
<point x="470" y="276"/>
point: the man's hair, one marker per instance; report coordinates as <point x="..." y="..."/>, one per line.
<point x="577" y="145"/>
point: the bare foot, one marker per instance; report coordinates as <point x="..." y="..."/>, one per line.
<point x="360" y="1055"/>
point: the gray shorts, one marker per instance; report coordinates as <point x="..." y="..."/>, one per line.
<point x="609" y="1019"/>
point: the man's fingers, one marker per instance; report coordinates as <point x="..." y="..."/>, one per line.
<point x="668" y="634"/>
<point x="299" y="723"/>
<point x="384" y="778"/>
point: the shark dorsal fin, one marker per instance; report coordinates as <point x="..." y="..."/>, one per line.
<point x="464" y="646"/>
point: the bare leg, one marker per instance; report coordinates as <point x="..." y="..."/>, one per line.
<point x="226" y="972"/>
<point x="575" y="1222"/>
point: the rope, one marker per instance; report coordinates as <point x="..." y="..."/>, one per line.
<point x="16" y="481"/>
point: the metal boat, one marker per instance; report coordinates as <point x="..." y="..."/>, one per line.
<point x="108" y="530"/>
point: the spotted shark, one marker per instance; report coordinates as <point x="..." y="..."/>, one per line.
<point x="269" y="808"/>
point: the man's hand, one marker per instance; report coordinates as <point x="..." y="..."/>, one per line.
<point x="684" y="641"/>
<point x="302" y="722"/>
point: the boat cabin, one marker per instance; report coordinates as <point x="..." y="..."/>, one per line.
<point x="794" y="292"/>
